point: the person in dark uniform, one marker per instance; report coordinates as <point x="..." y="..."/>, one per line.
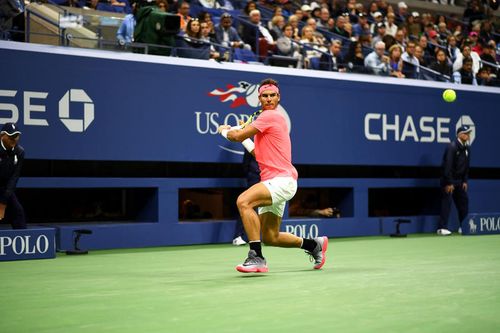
<point x="252" y="175"/>
<point x="454" y="178"/>
<point x="11" y="161"/>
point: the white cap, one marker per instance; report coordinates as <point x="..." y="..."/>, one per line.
<point x="376" y="14"/>
<point x="306" y="8"/>
<point x="314" y="5"/>
<point x="402" y="4"/>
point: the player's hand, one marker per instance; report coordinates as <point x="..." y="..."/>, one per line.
<point x="221" y="127"/>
<point x="465" y="187"/>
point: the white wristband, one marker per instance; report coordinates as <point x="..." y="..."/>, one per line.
<point x="224" y="133"/>
<point x="236" y="127"/>
<point x="249" y="145"/>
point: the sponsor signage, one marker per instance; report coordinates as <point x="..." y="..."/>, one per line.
<point x="481" y="224"/>
<point x="176" y="109"/>
<point x="26" y="244"/>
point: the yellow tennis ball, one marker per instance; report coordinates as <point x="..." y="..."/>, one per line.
<point x="449" y="95"/>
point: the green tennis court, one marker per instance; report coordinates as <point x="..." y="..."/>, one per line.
<point x="423" y="283"/>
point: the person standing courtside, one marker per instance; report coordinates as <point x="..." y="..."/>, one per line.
<point x="454" y="178"/>
<point x="11" y="161"/>
<point x="278" y="183"/>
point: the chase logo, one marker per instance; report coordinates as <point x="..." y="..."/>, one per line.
<point x="76" y="96"/>
<point x="34" y="105"/>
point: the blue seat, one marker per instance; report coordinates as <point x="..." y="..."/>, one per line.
<point x="314" y="62"/>
<point x="244" y="55"/>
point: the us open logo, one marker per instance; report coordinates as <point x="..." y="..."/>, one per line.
<point x="240" y="95"/>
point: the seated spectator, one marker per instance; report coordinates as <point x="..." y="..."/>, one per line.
<point x="443" y="34"/>
<point x="410" y="62"/>
<point x="332" y="61"/>
<point x="419" y="54"/>
<point x="380" y="33"/>
<point x="324" y="16"/>
<point x="452" y="50"/>
<point x="413" y="25"/>
<point x="294" y="22"/>
<point x="402" y="13"/>
<point x="205" y="36"/>
<point x="378" y="18"/>
<point x="184" y="14"/>
<point x="251" y="5"/>
<point x="489" y="56"/>
<point x="395" y="61"/>
<point x="226" y="34"/>
<point x="390" y="26"/>
<point x="277" y="24"/>
<point x="467" y="53"/>
<point x="312" y="47"/>
<point x="191" y="45"/>
<point x="442" y="65"/>
<point x="427" y="52"/>
<point x="484" y="78"/>
<point x="377" y="62"/>
<point x="401" y="39"/>
<point x="465" y="75"/>
<point x="355" y="60"/>
<point x="253" y="32"/>
<point x="362" y="28"/>
<point x="474" y="43"/>
<point x="340" y="27"/>
<point x="286" y="46"/>
<point x="317" y="35"/>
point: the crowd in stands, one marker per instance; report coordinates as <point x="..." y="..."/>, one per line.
<point x="332" y="35"/>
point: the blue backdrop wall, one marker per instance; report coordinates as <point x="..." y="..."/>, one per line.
<point x="87" y="105"/>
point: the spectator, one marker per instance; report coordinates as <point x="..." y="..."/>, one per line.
<point x="362" y="28"/>
<point x="355" y="60"/>
<point x="332" y="61"/>
<point x="294" y="22"/>
<point x="419" y="54"/>
<point x="377" y="18"/>
<point x="226" y="34"/>
<point x="489" y="55"/>
<point x="395" y="61"/>
<point x="442" y="66"/>
<point x="413" y="25"/>
<point x="465" y="75"/>
<point x="443" y="34"/>
<point x="401" y="38"/>
<point x="484" y="78"/>
<point x="454" y="179"/>
<point x="184" y="14"/>
<point x="323" y="18"/>
<point x="474" y="43"/>
<point x="411" y="64"/>
<point x="391" y="27"/>
<point x="205" y="36"/>
<point x="125" y="33"/>
<point x="251" y="5"/>
<point x="312" y="47"/>
<point x="467" y="53"/>
<point x="402" y="13"/>
<point x="306" y="12"/>
<point x="377" y="62"/>
<point x="256" y="30"/>
<point x="277" y="24"/>
<point x="452" y="50"/>
<point x="340" y="27"/>
<point x="287" y="47"/>
<point x="379" y="36"/>
<point x="317" y="35"/>
<point x="427" y="52"/>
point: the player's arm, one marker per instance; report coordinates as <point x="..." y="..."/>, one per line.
<point x="239" y="134"/>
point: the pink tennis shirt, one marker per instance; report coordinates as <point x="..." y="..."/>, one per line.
<point x="273" y="148"/>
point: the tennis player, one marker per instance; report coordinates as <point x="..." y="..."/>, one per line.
<point x="278" y="183"/>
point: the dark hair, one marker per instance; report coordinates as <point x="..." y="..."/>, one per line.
<point x="268" y="81"/>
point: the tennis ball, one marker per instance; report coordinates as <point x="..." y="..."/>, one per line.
<point x="449" y="95"/>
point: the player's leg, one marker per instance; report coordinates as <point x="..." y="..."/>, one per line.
<point x="271" y="234"/>
<point x="257" y="195"/>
